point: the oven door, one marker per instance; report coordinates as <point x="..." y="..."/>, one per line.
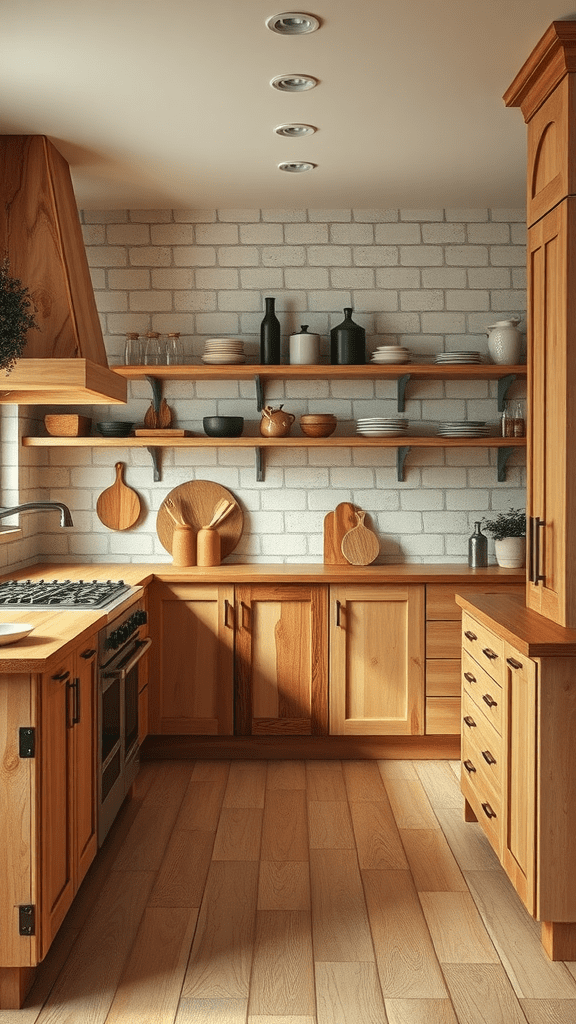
<point x="118" y="731"/>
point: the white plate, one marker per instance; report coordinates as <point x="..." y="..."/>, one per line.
<point x="10" y="632"/>
<point x="380" y="433"/>
<point x="221" y="360"/>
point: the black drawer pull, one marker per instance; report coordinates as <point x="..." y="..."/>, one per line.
<point x="469" y="766"/>
<point x="513" y="663"/>
<point x="470" y="635"/>
<point x="61" y="675"/>
<point x="489" y="700"/>
<point x="488" y="757"/>
<point x="88" y="653"/>
<point x="488" y="811"/>
<point x="469" y="677"/>
<point x="469" y="721"/>
<point x="489" y="654"/>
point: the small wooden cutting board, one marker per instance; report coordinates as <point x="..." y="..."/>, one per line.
<point x="336" y="526"/>
<point x="118" y="507"/>
<point x="360" y="546"/>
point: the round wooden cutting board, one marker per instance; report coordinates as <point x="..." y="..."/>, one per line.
<point x="194" y="503"/>
<point x="118" y="507"/>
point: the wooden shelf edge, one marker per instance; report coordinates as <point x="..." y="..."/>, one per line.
<point x="432" y="441"/>
<point x="247" y="371"/>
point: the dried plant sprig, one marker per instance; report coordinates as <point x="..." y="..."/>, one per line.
<point x="16" y="317"/>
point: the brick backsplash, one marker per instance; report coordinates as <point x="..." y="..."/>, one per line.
<point x="428" y="279"/>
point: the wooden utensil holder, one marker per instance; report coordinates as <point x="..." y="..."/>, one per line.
<point x="208" y="547"/>
<point x="184" y="545"/>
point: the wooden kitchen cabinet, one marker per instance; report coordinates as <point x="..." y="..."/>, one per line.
<point x="281" y="660"/>
<point x="545" y="89"/>
<point x="377" y="660"/>
<point x="192" y="659"/>
<point x="48" y="812"/>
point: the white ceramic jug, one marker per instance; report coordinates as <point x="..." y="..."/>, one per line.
<point x="505" y="341"/>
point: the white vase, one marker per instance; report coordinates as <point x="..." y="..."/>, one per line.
<point x="511" y="552"/>
<point x="505" y="342"/>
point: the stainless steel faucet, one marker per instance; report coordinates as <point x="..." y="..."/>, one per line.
<point x="40" y="506"/>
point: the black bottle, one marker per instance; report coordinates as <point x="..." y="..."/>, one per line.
<point x="348" y="342"/>
<point x="477" y="549"/>
<point x="270" y="336"/>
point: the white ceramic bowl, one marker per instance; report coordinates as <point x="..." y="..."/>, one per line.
<point x="10" y="632"/>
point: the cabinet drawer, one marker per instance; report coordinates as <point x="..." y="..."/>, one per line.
<point x="486" y="805"/>
<point x="485" y="647"/>
<point x="442" y="716"/>
<point x="443" y="677"/>
<point x="440" y="597"/>
<point x="483" y="689"/>
<point x="481" y="741"/>
<point x="443" y="639"/>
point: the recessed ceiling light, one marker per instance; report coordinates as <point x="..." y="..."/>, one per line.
<point x="293" y="23"/>
<point x="294" y="83"/>
<point x="295" y="131"/>
<point x="296" y="168"/>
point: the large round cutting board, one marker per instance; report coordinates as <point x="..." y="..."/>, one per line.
<point x="194" y="503"/>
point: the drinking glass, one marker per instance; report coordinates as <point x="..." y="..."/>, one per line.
<point x="174" y="351"/>
<point x="152" y="349"/>
<point x="133" y="350"/>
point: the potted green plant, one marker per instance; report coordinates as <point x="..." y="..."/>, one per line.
<point x="16" y="317"/>
<point x="509" y="532"/>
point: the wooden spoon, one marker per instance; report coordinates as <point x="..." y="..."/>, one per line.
<point x="118" y="507"/>
<point x="360" y="546"/>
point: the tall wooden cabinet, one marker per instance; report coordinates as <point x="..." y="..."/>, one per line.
<point x="545" y="89"/>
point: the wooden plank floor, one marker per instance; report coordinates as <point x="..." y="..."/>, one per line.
<point x="318" y="892"/>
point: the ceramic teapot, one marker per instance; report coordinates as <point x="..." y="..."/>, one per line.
<point x="505" y="341"/>
<point x="275" y="422"/>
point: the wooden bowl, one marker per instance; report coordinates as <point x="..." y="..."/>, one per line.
<point x="67" y="425"/>
<point x="322" y="428"/>
<point x="318" y="417"/>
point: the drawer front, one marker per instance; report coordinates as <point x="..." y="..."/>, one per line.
<point x="442" y="716"/>
<point x="443" y="639"/>
<point x="481" y="742"/>
<point x="440" y="597"/>
<point x="485" y="647"/>
<point x="486" y="805"/>
<point x="483" y="689"/>
<point x="443" y="677"/>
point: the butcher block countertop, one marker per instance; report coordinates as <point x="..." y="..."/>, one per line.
<point x="530" y="633"/>
<point x="57" y="632"/>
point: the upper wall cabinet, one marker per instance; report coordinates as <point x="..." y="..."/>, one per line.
<point x="65" y="361"/>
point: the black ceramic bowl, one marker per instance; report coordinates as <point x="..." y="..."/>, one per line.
<point x="223" y="426"/>
<point x="114" y="428"/>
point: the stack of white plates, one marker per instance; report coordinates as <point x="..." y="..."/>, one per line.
<point x="464" y="428"/>
<point x="381" y="426"/>
<point x="458" y="357"/>
<point x="224" y="350"/>
<point x="391" y="354"/>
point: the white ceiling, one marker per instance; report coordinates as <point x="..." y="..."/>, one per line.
<point x="167" y="103"/>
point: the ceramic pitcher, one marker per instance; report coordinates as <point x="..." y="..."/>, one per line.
<point x="275" y="422"/>
<point x="505" y="341"/>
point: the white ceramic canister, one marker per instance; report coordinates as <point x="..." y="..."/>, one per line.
<point x="304" y="347"/>
<point x="505" y="342"/>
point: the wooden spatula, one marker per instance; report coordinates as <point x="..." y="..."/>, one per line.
<point x="118" y="507"/>
<point x="360" y="546"/>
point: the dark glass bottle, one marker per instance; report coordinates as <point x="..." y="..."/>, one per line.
<point x="477" y="548"/>
<point x="348" y="342"/>
<point x="270" y="336"/>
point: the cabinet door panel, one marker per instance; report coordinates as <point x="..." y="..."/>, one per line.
<point x="191" y="668"/>
<point x="519" y="839"/>
<point x="377" y="660"/>
<point x="57" y="853"/>
<point x="85" y="762"/>
<point x="281" y="660"/>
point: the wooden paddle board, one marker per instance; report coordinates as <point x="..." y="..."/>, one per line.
<point x="118" y="507"/>
<point x="360" y="545"/>
<point x="336" y="526"/>
<point x="194" y="503"/>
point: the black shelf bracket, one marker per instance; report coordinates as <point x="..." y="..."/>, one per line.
<point x="503" y="456"/>
<point x="401" y="454"/>
<point x="259" y="392"/>
<point x="155" y="456"/>
<point x="503" y="387"/>
<point x="259" y="465"/>
<point x="401" y="385"/>
<point x="156" y="386"/>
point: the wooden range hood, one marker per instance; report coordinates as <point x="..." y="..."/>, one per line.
<point x="64" y="363"/>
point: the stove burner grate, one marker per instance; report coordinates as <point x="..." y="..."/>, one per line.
<point x="61" y="593"/>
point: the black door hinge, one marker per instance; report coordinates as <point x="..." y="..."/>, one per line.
<point x="27" y="919"/>
<point x="27" y="742"/>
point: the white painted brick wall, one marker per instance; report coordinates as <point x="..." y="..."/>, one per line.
<point x="429" y="279"/>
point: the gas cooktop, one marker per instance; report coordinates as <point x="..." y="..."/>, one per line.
<point x="43" y="594"/>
